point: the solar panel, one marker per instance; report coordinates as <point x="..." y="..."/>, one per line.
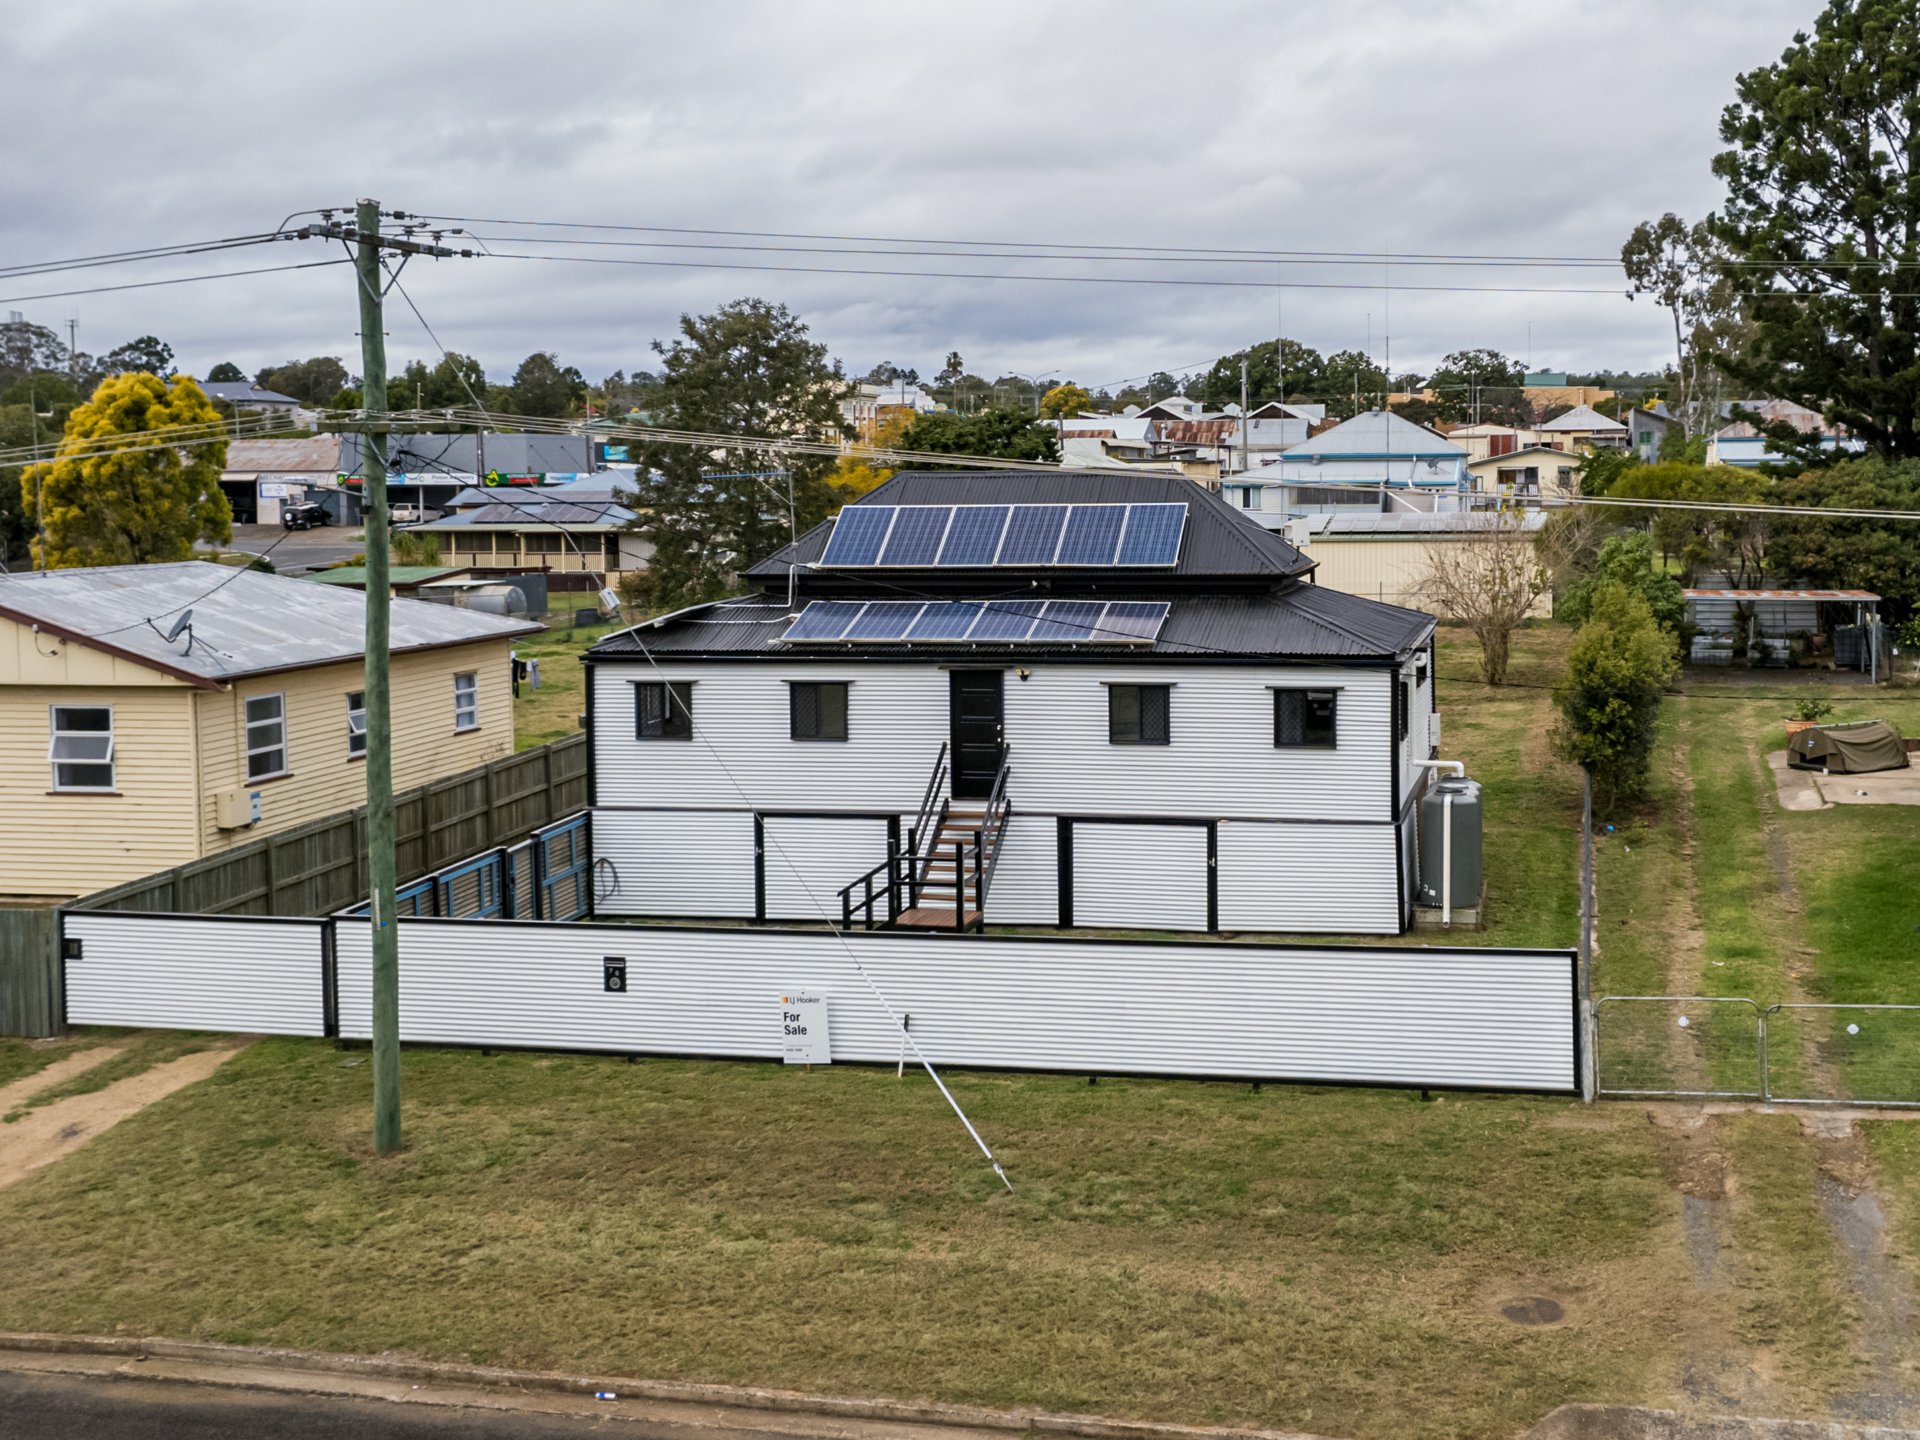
<point x="824" y="620"/>
<point x="885" y="620"/>
<point x="1153" y="535"/>
<point x="1005" y="621"/>
<point x="1092" y="534"/>
<point x="945" y="620"/>
<point x="1033" y="534"/>
<point x="915" y="538"/>
<point x="974" y="536"/>
<point x="1068" y="622"/>
<point x="1129" y="622"/>
<point x="858" y="533"/>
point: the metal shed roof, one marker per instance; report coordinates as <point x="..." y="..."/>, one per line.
<point x="245" y="622"/>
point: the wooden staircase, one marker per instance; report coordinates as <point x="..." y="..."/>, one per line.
<point x="940" y="878"/>
<point x="961" y="851"/>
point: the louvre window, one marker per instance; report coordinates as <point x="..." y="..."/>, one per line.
<point x="266" y="737"/>
<point x="466" y="701"/>
<point x="82" y="747"/>
<point x="1304" y="719"/>
<point x="664" y="710"/>
<point x="817" y="710"/>
<point x="357" y="723"/>
<point x="1138" y="714"/>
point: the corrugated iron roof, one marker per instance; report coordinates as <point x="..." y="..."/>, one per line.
<point x="1862" y="595"/>
<point x="245" y="622"/>
<point x="311" y="454"/>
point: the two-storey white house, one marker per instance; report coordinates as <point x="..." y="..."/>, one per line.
<point x="1095" y="700"/>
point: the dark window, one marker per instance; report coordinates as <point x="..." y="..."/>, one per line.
<point x="1403" y="708"/>
<point x="1304" y="718"/>
<point x="1138" y="714"/>
<point x="664" y="710"/>
<point x="817" y="709"/>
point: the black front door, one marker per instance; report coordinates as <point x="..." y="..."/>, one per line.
<point x="974" y="707"/>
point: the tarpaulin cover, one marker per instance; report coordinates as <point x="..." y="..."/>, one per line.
<point x="1849" y="749"/>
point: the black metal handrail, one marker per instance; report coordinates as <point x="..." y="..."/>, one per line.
<point x="995" y="826"/>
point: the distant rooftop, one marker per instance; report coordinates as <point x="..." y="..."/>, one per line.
<point x="243" y="392"/>
<point x="245" y="622"/>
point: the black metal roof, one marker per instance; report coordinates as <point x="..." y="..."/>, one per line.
<point x="1220" y="541"/>
<point x="1300" y="623"/>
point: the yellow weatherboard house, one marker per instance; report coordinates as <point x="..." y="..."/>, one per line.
<point x="154" y="714"/>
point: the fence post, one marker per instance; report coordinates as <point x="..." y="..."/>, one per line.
<point x="270" y="871"/>
<point x="1589" y="1070"/>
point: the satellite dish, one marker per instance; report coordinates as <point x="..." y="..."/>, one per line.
<point x="184" y="625"/>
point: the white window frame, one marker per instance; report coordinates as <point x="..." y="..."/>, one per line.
<point x="356" y="725"/>
<point x="466" y="701"/>
<point x="247" y="728"/>
<point x="56" y="761"/>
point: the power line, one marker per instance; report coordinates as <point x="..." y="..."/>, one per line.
<point x="1614" y="291"/>
<point x="131" y="257"/>
<point x="174" y="280"/>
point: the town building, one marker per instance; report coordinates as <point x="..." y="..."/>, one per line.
<point x="1743" y="445"/>
<point x="244" y="395"/>
<point x="578" y="545"/>
<point x="1532" y="472"/>
<point x="1106" y="700"/>
<point x="152" y="715"/>
<point x="1388" y="557"/>
<point x="1375" y="461"/>
<point x="1585" y="430"/>
<point x="261" y="476"/>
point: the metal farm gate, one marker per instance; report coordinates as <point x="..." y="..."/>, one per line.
<point x="1693" y="1046"/>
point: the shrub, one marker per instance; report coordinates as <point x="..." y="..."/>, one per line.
<point x="1627" y="559"/>
<point x="1620" y="662"/>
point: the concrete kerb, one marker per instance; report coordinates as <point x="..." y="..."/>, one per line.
<point x="241" y="1358"/>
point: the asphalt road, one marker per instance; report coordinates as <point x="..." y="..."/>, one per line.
<point x="296" y="550"/>
<point x="47" y="1406"/>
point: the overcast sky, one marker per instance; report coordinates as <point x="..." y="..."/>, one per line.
<point x="1529" y="127"/>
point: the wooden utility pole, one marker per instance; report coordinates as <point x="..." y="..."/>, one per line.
<point x="381" y="865"/>
<point x="363" y="237"/>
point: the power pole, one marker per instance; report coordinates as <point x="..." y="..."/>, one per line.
<point x="1245" y="423"/>
<point x="381" y="865"/>
<point x="368" y="245"/>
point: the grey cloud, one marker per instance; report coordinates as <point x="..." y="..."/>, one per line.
<point x="1460" y="126"/>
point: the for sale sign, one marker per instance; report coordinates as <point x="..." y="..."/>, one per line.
<point x="803" y="1029"/>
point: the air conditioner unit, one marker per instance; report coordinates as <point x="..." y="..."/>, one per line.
<point x="236" y="809"/>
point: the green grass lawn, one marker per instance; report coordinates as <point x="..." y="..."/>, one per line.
<point x="1327" y="1260"/>
<point x="553" y="711"/>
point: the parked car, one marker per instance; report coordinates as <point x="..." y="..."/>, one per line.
<point x="304" y="514"/>
<point x="405" y="514"/>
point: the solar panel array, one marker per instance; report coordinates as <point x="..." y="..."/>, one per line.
<point x="918" y="536"/>
<point x="979" y="622"/>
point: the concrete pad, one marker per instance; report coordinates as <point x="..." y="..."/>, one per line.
<point x="1797" y="789"/>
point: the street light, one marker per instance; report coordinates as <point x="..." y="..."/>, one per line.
<point x="1035" y="379"/>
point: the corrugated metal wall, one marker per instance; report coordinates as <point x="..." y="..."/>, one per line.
<point x="190" y="972"/>
<point x="1139" y="877"/>
<point x="1026" y="881"/>
<point x="1132" y="874"/>
<point x="1221" y="762"/>
<point x="674" y="862"/>
<point x="809" y="861"/>
<point x="1485" y="1019"/>
<point x="1314" y="879"/>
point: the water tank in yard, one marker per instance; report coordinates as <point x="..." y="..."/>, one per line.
<point x="1465" y="863"/>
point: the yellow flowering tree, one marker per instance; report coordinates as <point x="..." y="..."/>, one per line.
<point x="123" y="489"/>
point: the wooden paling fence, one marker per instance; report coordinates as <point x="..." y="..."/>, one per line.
<point x="312" y="869"/>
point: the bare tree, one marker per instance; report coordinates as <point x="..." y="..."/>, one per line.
<point x="1489" y="580"/>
